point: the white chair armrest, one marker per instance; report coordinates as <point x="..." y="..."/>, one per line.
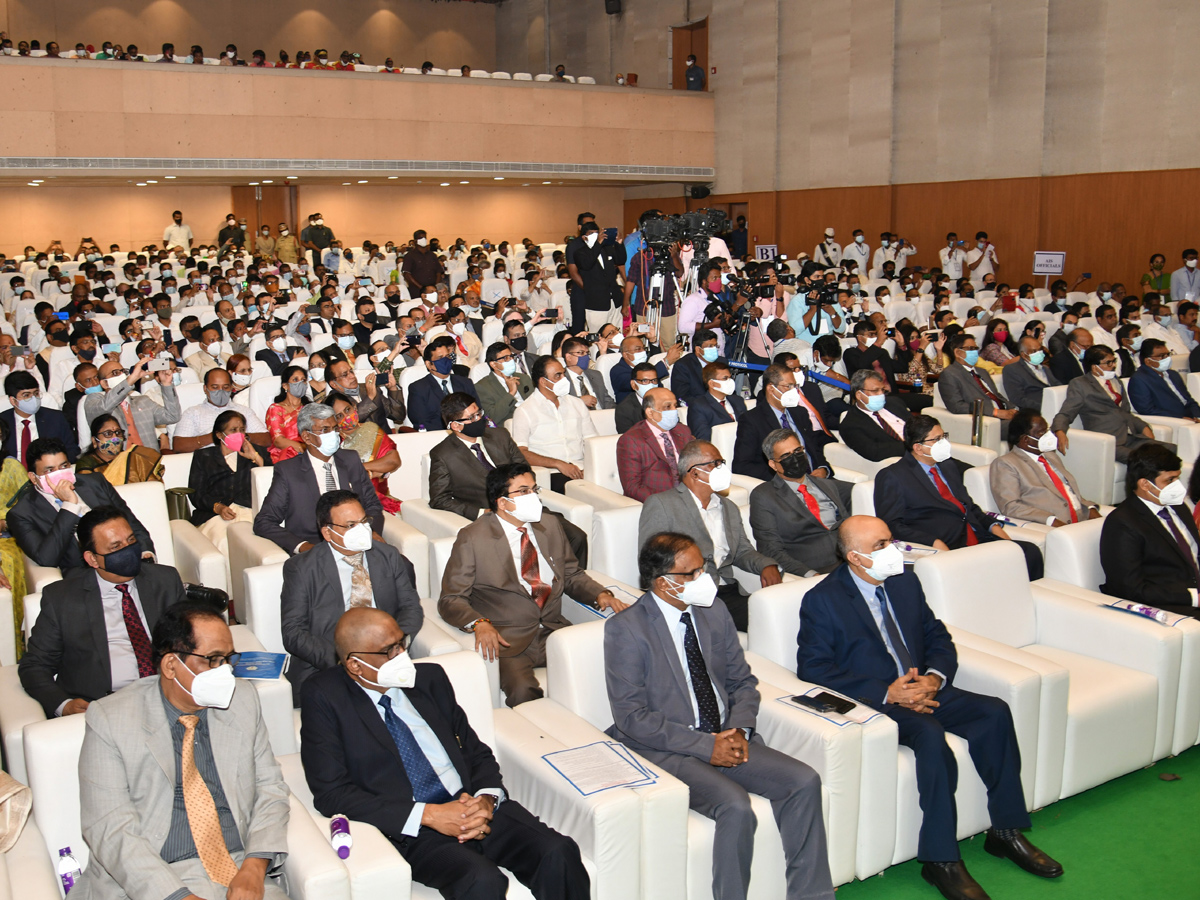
<point x="37" y="577"/>
<point x="433" y="639"/>
<point x="542" y="475"/>
<point x="247" y="550"/>
<point x="17" y="709"/>
<point x="842" y="457"/>
<point x="413" y="545"/>
<point x="599" y="497"/>
<point x="851" y="476"/>
<point x="747" y="483"/>
<point x="578" y="512"/>
<point x="198" y="561"/>
<point x="8" y="636"/>
<point x="433" y="523"/>
<point x="312" y="868"/>
<point x="1091" y="458"/>
<point x="274" y="696"/>
<point x="464" y="641"/>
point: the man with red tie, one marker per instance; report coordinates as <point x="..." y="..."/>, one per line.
<point x="962" y="383"/>
<point x="1031" y="482"/>
<point x="648" y="453"/>
<point x="923" y="499"/>
<point x="92" y="636"/>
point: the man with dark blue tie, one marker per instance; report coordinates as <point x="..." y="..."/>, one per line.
<point x="867" y="632"/>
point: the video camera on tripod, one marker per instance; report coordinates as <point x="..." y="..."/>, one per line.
<point x="661" y="232"/>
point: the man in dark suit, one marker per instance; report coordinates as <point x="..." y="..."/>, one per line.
<point x="277" y="354"/>
<point x="779" y="406"/>
<point x="598" y="264"/>
<point x="1149" y="543"/>
<point x="1024" y="381"/>
<point x="648" y="453"/>
<point x="683" y="696"/>
<point x="499" y="564"/>
<point x="27" y="420"/>
<point x="687" y="375"/>
<point x="874" y="426"/>
<point x="425" y="396"/>
<point x="396" y="751"/>
<point x="319" y="586"/>
<point x="794" y="516"/>
<point x="634" y="350"/>
<point x="48" y="509"/>
<point x="1154" y="390"/>
<point x="502" y="389"/>
<point x="288" y="515"/>
<point x="718" y="405"/>
<point x="1060" y="339"/>
<point x="1067" y="363"/>
<point x="963" y="382"/>
<point x="867" y="632"/>
<point x="629" y="411"/>
<point x="586" y="382"/>
<point x="1127" y="335"/>
<point x="922" y="498"/>
<point x="517" y="338"/>
<point x="868" y="354"/>
<point x="92" y="635"/>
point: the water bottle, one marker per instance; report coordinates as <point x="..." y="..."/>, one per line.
<point x="339" y="835"/>
<point x="68" y="869"/>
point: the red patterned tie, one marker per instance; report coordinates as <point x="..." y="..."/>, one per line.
<point x="996" y="401"/>
<point x="888" y="429"/>
<point x="26" y="438"/>
<point x="531" y="572"/>
<point x="1062" y="488"/>
<point x="137" y="632"/>
<point x="811" y="502"/>
<point x="972" y="539"/>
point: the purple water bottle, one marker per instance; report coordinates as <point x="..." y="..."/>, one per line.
<point x="339" y="835"/>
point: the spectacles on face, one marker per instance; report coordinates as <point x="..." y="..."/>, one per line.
<point x="470" y="419"/>
<point x="391" y="651"/>
<point x="687" y="576"/>
<point x="215" y="660"/>
<point x="710" y="465"/>
<point x="110" y="433"/>
<point x="525" y="491"/>
<point x="932" y="439"/>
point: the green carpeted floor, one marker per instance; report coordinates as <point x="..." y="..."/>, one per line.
<point x="1132" y="838"/>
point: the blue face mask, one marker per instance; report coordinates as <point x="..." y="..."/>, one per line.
<point x="1037" y="357"/>
<point x="1079" y="355"/>
<point x="670" y="418"/>
<point x="94" y="389"/>
<point x="345" y="341"/>
<point x="972" y="357"/>
<point x="507" y="368"/>
<point x="876" y="402"/>
<point x="710" y="354"/>
<point x="443" y="366"/>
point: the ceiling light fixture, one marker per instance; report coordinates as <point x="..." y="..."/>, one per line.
<point x="393" y="177"/>
<point x="170" y="177"/>
<point x="498" y="178"/>
<point x="464" y="182"/>
<point x="547" y="182"/>
<point x="268" y="181"/>
<point x="345" y="183"/>
<point x="254" y="184"/>
<point x="364" y="181"/>
<point x="33" y="184"/>
<point x="445" y="184"/>
<point x="141" y="184"/>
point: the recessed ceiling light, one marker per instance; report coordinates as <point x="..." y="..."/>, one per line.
<point x="268" y="181"/>
<point x="498" y="178"/>
<point x="293" y="176"/>
<point x="464" y="182"/>
<point x="393" y="177"/>
<point x="38" y="180"/>
<point x="151" y="181"/>
<point x="141" y="184"/>
<point x="254" y="184"/>
<point x="547" y="182"/>
<point x="344" y="183"/>
<point x="364" y="181"/>
<point x="445" y="184"/>
<point x="33" y="184"/>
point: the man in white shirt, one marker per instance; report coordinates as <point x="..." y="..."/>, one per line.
<point x="1163" y="329"/>
<point x="550" y="425"/>
<point x="892" y="249"/>
<point x="982" y="259"/>
<point x="828" y="253"/>
<point x="1185" y="323"/>
<point x="1105" y="332"/>
<point x="858" y="252"/>
<point x="177" y="234"/>
<point x="952" y="256"/>
<point x="195" y="425"/>
<point x="1185" y="281"/>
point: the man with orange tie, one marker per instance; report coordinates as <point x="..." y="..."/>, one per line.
<point x="923" y="499"/>
<point x="140" y="414"/>
<point x="795" y="515"/>
<point x="1031" y="481"/>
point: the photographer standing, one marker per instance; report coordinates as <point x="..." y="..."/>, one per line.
<point x="639" y="275"/>
<point x="813" y="312"/>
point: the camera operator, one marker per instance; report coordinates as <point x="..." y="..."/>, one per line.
<point x="814" y="312"/>
<point x="637" y="289"/>
<point x="710" y="289"/>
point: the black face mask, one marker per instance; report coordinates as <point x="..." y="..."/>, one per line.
<point x="370" y="318"/>
<point x="475" y="429"/>
<point x="795" y="464"/>
<point x="124" y="563"/>
<point x="519" y="343"/>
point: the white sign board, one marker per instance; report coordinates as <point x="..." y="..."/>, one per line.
<point x="765" y="252"/>
<point x="1046" y="262"/>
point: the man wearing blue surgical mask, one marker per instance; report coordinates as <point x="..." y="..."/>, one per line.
<point x="874" y="427"/>
<point x="687" y="377"/>
<point x="1025" y="381"/>
<point x="196" y="424"/>
<point x="964" y="382"/>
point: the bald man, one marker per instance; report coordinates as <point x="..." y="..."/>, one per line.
<point x="384" y="741"/>
<point x="634" y="349"/>
<point x="1068" y="363"/>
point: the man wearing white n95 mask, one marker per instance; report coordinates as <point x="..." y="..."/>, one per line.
<point x="695" y="507"/>
<point x="867" y="632"/>
<point x="502" y="561"/>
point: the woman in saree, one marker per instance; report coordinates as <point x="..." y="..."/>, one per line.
<point x="109" y="456"/>
<point x="376" y="450"/>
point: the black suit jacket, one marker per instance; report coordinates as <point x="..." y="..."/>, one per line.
<point x="756" y="424"/>
<point x="1129" y="365"/>
<point x="288" y="515"/>
<point x="212" y="481"/>
<point x="1065" y="366"/>
<point x="312" y="602"/>
<point x="864" y="435"/>
<point x="856" y="359"/>
<point x="687" y="377"/>
<point x="351" y="762"/>
<point x="629" y="412"/>
<point x="70" y="410"/>
<point x="620" y="375"/>
<point x="785" y="530"/>
<point x="49" y="422"/>
<point x="458" y="481"/>
<point x="67" y="656"/>
<point x="271" y="358"/>
<point x="704" y="412"/>
<point x="907" y="500"/>
<point x="47" y="535"/>
<point x="600" y="288"/>
<point x="1141" y="560"/>
<point x="425" y="400"/>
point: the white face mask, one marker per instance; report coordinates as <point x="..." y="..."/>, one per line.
<point x="398" y="672"/>
<point x="431" y="299"/>
<point x="1047" y="442"/>
<point x="789" y="398"/>
<point x="317" y="374"/>
<point x="720" y="478"/>
<point x="885" y="563"/>
<point x="941" y="450"/>
<point x="724" y="385"/>
<point x="357" y="538"/>
<point x="561" y="388"/>
<point x="459" y="328"/>
<point x="639" y="357"/>
<point x="422" y="242"/>
<point x="212" y="687"/>
<point x="1105" y="375"/>
<point x="330" y="443"/>
<point x="1191" y="263"/>
<point x="526" y="508"/>
<point x="1173" y="494"/>
<point x="278" y="345"/>
<point x="240" y="379"/>
<point x="590" y="240"/>
<point x="700" y="592"/>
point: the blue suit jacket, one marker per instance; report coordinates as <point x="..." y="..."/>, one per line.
<point x="687" y="377"/>
<point x="425" y="400"/>
<point x="840" y="646"/>
<point x="907" y="500"/>
<point x="704" y="412"/>
<point x="1151" y="396"/>
<point x="50" y="423"/>
<point x="621" y="374"/>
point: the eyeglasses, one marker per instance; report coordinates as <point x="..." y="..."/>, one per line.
<point x="391" y="651"/>
<point x="711" y="462"/>
<point x="216" y="660"/>
<point x="469" y="419"/>
<point x="111" y="433"/>
<point x="691" y="576"/>
<point x="522" y="492"/>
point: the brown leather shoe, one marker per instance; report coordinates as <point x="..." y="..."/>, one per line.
<point x="953" y="880"/>
<point x="1023" y="853"/>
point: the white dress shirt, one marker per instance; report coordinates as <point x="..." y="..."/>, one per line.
<point x="19" y="427"/>
<point x="678" y="629"/>
<point x="868" y="594"/>
<point x="198" y="420"/>
<point x="1104" y="338"/>
<point x="318" y="468"/>
<point x="345" y="570"/>
<point x="1155" y="509"/>
<point x="860" y="254"/>
<point x="990" y="261"/>
<point x="554" y="431"/>
<point x="1167" y="334"/>
<point x="714" y="523"/>
<point x="514" y="547"/>
<point x="177" y="236"/>
<point x="952" y="261"/>
<point x="834" y="251"/>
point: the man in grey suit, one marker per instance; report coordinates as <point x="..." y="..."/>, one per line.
<point x="962" y="383"/>
<point x="795" y="516"/>
<point x="172" y="761"/>
<point x="350" y="569"/>
<point x="1100" y="401"/>
<point x="683" y="696"/>
<point x="695" y="508"/>
<point x="1025" y="381"/>
<point x="586" y="383"/>
<point x="1031" y="481"/>
<point x="147" y="413"/>
<point x="504" y="388"/>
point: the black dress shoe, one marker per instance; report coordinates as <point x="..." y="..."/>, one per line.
<point x="953" y="880"/>
<point x="1022" y="852"/>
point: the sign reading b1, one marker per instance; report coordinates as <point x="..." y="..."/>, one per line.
<point x="1046" y="262"/>
<point x="765" y="252"/>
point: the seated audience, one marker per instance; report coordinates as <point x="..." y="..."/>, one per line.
<point x="141" y="415"/>
<point x="288" y="513"/>
<point x="277" y="354"/>
<point x="378" y="398"/>
<point x="215" y="740"/>
<point x="1105" y="332"/>
<point x="1024" y="381"/>
<point x="63" y="668"/>
<point x="220" y="479"/>
<point x="870" y="353"/>
<point x="502" y="561"/>
<point x="1031" y="481"/>
<point x="586" y="383"/>
<point x="109" y="456"/>
<point x="27" y="420"/>
<point x="629" y="411"/>
<point x="946" y="517"/>
<point x="210" y="355"/>
<point x="811" y="398"/>
<point x="695" y="508"/>
<point x="1154" y="390"/>
<point x="48" y="509"/>
<point x="1067" y="363"/>
<point x="633" y="351"/>
<point x="794" y="516"/>
<point x="719" y="404"/>
<point x="352" y="569"/>
<point x="282" y="413"/>
<point x="648" y="453"/>
<point x="376" y="450"/>
<point x="1149" y="543"/>
<point x="504" y="388"/>
<point x="687" y="378"/>
<point x="701" y="728"/>
<point x="963" y="382"/>
<point x="867" y="632"/>
<point x="1129" y="341"/>
<point x="196" y="424"/>
<point x="874" y="425"/>
<point x="779" y="406"/>
<point x="1102" y="404"/>
<point x="425" y="395"/>
<point x="550" y="425"/>
<point x="380" y="747"/>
